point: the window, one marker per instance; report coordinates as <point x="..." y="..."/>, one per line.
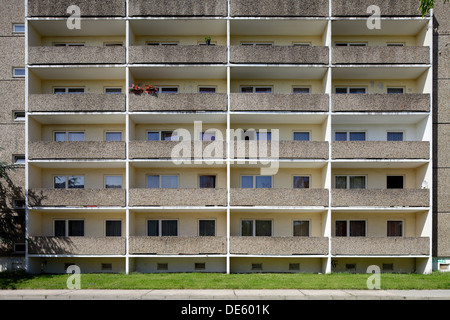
<point x="394" y="182"/>
<point x="255" y="44"/>
<point x="257" y="266"/>
<point x="68" y="182"/>
<point x="107" y="266"/>
<point x="395" y="44"/>
<point x="162" y="181"/>
<point x="19" y="204"/>
<point x="113" y="182"/>
<point x="350" y="182"/>
<point x="350" y="228"/>
<point x="207" y="181"/>
<point x="258" y="228"/>
<point x="350" y="44"/>
<point x="294" y="266"/>
<point x="19" y="72"/>
<point x="18" y="28"/>
<point x="113" y="228"/>
<point x="19" y="247"/>
<point x="209" y="135"/>
<point x="207" y="89"/>
<point x="265" y="136"/>
<point x="395" y="228"/>
<point x="19" y="159"/>
<point x="207" y="228"/>
<point x="68" y="44"/>
<point x="301" y="182"/>
<point x="302" y="136"/>
<point x="68" y="228"/>
<point x="19" y="115"/>
<point x="349" y="136"/>
<point x="301" y="228"/>
<point x="395" y="90"/>
<point x="113" y="44"/>
<point x="167" y="43"/>
<point x="168" y="89"/>
<point x="256" y="89"/>
<point x="395" y="136"/>
<point x="301" y="44"/>
<point x="199" y="266"/>
<point x="256" y="181"/>
<point x="162" y="136"/>
<point x="162" y="266"/>
<point x="68" y="90"/>
<point x="113" y="136"/>
<point x="300" y="90"/>
<point x="68" y="136"/>
<point x="113" y="90"/>
<point x="344" y="90"/>
<point x="164" y="228"/>
<point x="388" y="267"/>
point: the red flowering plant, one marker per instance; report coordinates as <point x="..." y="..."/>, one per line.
<point x="152" y="90"/>
<point x="136" y="89"/>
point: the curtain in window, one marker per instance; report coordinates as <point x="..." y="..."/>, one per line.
<point x="169" y="228"/>
<point x="263" y="228"/>
<point x="113" y="228"/>
<point x="301" y="228"/>
<point x="76" y="228"/>
<point x="357" y="228"/>
<point x="152" y="228"/>
<point x="357" y="182"/>
<point x="394" y="228"/>
<point x="341" y="228"/>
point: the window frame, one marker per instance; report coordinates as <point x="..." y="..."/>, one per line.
<point x="115" y="88"/>
<point x="66" y="227"/>
<point x="254" y="227"/>
<point x="206" y="219"/>
<point x="112" y="175"/>
<point x="398" y="131"/>
<point x="402" y="231"/>
<point x="14" y="25"/>
<point x="67" y="133"/>
<point x="16" y="159"/>
<point x="160" y="227"/>
<point x="160" y="132"/>
<point x="348" y="132"/>
<point x="207" y="87"/>
<point x="348" y="224"/>
<point x="301" y="87"/>
<point x="254" y="180"/>
<point x="14" y="74"/>
<point x="66" y="176"/>
<point x="301" y="175"/>
<point x="309" y="132"/>
<point x="160" y="176"/>
<point x="113" y="131"/>
<point x="16" y="118"/>
<point x="309" y="227"/>
<point x="348" y="181"/>
<point x="207" y="175"/>
<point x="395" y="87"/>
<point x="347" y="88"/>
<point x="113" y="220"/>
<point x="254" y="87"/>
<point x="350" y="44"/>
<point x="66" y="89"/>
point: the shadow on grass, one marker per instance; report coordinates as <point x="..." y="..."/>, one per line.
<point x="13" y="279"/>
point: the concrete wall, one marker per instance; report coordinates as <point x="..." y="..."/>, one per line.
<point x="178" y="54"/>
<point x="380" y="103"/>
<point x="178" y="245"/>
<point x="73" y="55"/>
<point x="380" y="150"/>
<point x="279" y="245"/>
<point x="76" y="150"/>
<point x="178" y="197"/>
<point x="87" y="102"/>
<point x="279" y="54"/>
<point x="387" y="7"/>
<point x="380" y="246"/>
<point x="76" y="197"/>
<point x="177" y="8"/>
<point x="77" y="245"/>
<point x="381" y="55"/>
<point x="380" y="197"/>
<point x="279" y="8"/>
<point x="179" y="102"/>
<point x="39" y="8"/>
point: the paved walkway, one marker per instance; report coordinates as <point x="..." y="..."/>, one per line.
<point x="224" y="294"/>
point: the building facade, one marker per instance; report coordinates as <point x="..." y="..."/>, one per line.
<point x="305" y="137"/>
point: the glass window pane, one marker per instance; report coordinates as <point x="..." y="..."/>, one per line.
<point x="301" y="182"/>
<point x="60" y="228"/>
<point x="169" y="90"/>
<point x="263" y="181"/>
<point x="59" y="182"/>
<point x="75" y="182"/>
<point x="246" y="89"/>
<point x="357" y="136"/>
<point x="357" y="90"/>
<point x="263" y="90"/>
<point x="76" y="136"/>
<point x="395" y="136"/>
<point x="247" y="227"/>
<point x="113" y="182"/>
<point x="264" y="136"/>
<point x="394" y="182"/>
<point x="246" y="181"/>
<point x="113" y="90"/>
<point x="113" y="228"/>
<point x="76" y="228"/>
<point x="394" y="90"/>
<point x="169" y="136"/>
<point x="263" y="228"/>
<point x="340" y="136"/>
<point x="341" y="182"/>
<point x="341" y="228"/>
<point x="301" y="228"/>
<point x="394" y="228"/>
<point x="170" y="182"/>
<point x="207" y="228"/>
<point x="19" y="28"/>
<point x="357" y="182"/>
<point x="207" y="181"/>
<point x="152" y="228"/>
<point x="113" y="136"/>
<point x="59" y="90"/>
<point x="357" y="228"/>
<point x="301" y="90"/>
<point x="169" y="228"/>
<point x="207" y="90"/>
<point x="75" y="90"/>
<point x="301" y="136"/>
<point x="19" y="72"/>
<point x="153" y="136"/>
<point x="60" y="136"/>
<point x="153" y="181"/>
<point x="340" y="90"/>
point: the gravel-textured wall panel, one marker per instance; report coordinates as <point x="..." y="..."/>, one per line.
<point x="380" y="150"/>
<point x="87" y="102"/>
<point x="380" y="246"/>
<point x="279" y="102"/>
<point x="76" y="55"/>
<point x="13" y="141"/>
<point x="178" y="197"/>
<point x="178" y="8"/>
<point x="178" y="245"/>
<point x="76" y="245"/>
<point x="443" y="145"/>
<point x="76" y="197"/>
<point x="380" y="55"/>
<point x="186" y="150"/>
<point x="76" y="150"/>
<point x="279" y="8"/>
<point x="286" y="149"/>
<point x="278" y="197"/>
<point x="88" y="8"/>
<point x="279" y="54"/>
<point x="13" y="55"/>
<point x="279" y="245"/>
<point x="380" y="197"/>
<point x="178" y="54"/>
<point x="441" y="13"/>
<point x="179" y="102"/>
<point x="12" y="96"/>
<point x="443" y="235"/>
<point x="387" y="7"/>
<point x="442" y="176"/>
<point x="12" y="12"/>
<point x="378" y="102"/>
<point x="443" y="57"/>
<point x="441" y="109"/>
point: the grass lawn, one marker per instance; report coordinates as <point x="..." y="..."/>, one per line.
<point x="436" y="280"/>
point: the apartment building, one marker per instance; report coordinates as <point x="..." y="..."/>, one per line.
<point x="350" y="170"/>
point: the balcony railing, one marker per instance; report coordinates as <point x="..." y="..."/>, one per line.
<point x="381" y="55"/>
<point x="76" y="197"/>
<point x="279" y="54"/>
<point x="178" y="245"/>
<point x="76" y="55"/>
<point x="380" y="150"/>
<point x="279" y="8"/>
<point x="179" y="102"/>
<point x="50" y="8"/>
<point x="387" y="7"/>
<point x="380" y="197"/>
<point x="86" y="102"/>
<point x="184" y="150"/>
<point x="279" y="245"/>
<point x="279" y="102"/>
<point x="178" y="197"/>
<point x="178" y="8"/>
<point x="381" y="102"/>
<point x="380" y="246"/>
<point x="76" y="150"/>
<point x="286" y="149"/>
<point x="77" y="245"/>
<point x="278" y="197"/>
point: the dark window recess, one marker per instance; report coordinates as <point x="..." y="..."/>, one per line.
<point x="394" y="182"/>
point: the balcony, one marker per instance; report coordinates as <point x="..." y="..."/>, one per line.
<point x="164" y="149"/>
<point x="76" y="55"/>
<point x="380" y="246"/>
<point x="278" y="197"/>
<point x="50" y="8"/>
<point x="76" y="197"/>
<point x="76" y="150"/>
<point x="387" y="7"/>
<point x="286" y="149"/>
<point x="77" y="245"/>
<point x="178" y="8"/>
<point x="77" y="102"/>
<point x="178" y="54"/>
<point x="380" y="150"/>
<point x="279" y="102"/>
<point x="279" y="8"/>
<point x="380" y="102"/>
<point x="381" y="55"/>
<point x="279" y="54"/>
<point x="380" y="198"/>
<point x="178" y="197"/>
<point x="178" y="245"/>
<point x="179" y="102"/>
<point x="279" y="245"/>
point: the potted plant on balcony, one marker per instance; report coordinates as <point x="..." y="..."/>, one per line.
<point x="208" y="40"/>
<point x="151" y="90"/>
<point x="136" y="89"/>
